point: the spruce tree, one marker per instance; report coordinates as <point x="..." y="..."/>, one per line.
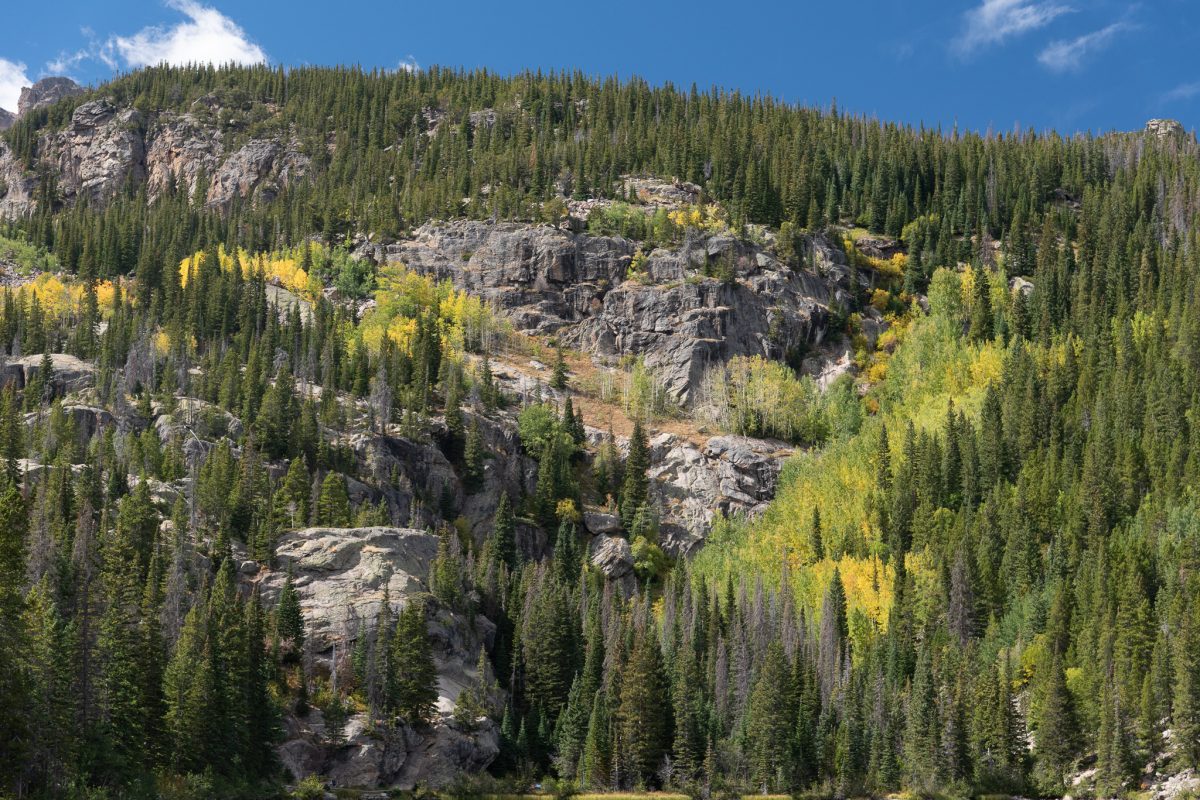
<point x="504" y="531"/>
<point x="645" y="730"/>
<point x="769" y="723"/>
<point x="635" y="486"/>
<point x="1056" y="740"/>
<point x="413" y="693"/>
<point x="14" y="688"/>
<point x="333" y="505"/>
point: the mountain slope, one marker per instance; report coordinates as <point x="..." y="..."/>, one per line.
<point x="395" y="428"/>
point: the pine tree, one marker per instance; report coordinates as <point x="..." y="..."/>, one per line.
<point x="14" y="688"/>
<point x="333" y="506"/>
<point x="635" y="486"/>
<point x="1057" y="735"/>
<point x="413" y="692"/>
<point x="473" y="456"/>
<point x="769" y="723"/>
<point x="595" y="762"/>
<point x="1185" y="708"/>
<point x="446" y="572"/>
<point x="504" y="531"/>
<point x="550" y="655"/>
<point x="645" y="730"/>
<point x="292" y="498"/>
<point x="981" y="325"/>
<point x="289" y="622"/>
<point x="831" y="641"/>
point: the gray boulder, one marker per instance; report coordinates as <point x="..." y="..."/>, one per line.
<point x="69" y="373"/>
<point x="340" y="574"/>
<point x="727" y="475"/>
<point x="599" y="523"/>
<point x="613" y="557"/>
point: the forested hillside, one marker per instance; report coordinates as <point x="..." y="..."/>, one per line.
<point x="424" y="430"/>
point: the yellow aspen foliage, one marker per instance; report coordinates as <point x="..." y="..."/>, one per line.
<point x="279" y="268"/>
<point x="58" y="296"/>
<point x="162" y="342"/>
<point x="464" y="321"/>
<point x="705" y="217"/>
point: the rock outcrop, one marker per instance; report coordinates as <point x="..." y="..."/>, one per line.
<point x="68" y="373"/>
<point x="341" y="575"/>
<point x="7" y="118"/>
<point x="101" y="149"/>
<point x="45" y="92"/>
<point x="1164" y="128"/>
<point x="675" y="315"/>
<point x="260" y="165"/>
<point x="692" y="483"/>
<point x="105" y="145"/>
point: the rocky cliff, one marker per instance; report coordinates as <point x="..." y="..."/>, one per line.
<point x="104" y="146"/>
<point x="46" y="92"/>
<point x="674" y="314"/>
<point x="341" y="575"/>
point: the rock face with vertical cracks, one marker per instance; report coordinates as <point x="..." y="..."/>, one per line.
<point x="341" y="575"/>
<point x="106" y="146"/>
<point x="675" y="314"/>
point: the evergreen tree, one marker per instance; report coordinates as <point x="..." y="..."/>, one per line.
<point x="333" y="505"/>
<point x="504" y="531"/>
<point x="645" y="730"/>
<point x="1056" y="739"/>
<point x="14" y="688"/>
<point x="635" y="486"/>
<point x="769" y="723"/>
<point x="413" y="690"/>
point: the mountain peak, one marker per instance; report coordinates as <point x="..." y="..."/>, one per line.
<point x="45" y="92"/>
<point x="1163" y="128"/>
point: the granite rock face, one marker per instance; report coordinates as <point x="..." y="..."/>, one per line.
<point x="340" y="575"/>
<point x="692" y="483"/>
<point x="68" y="373"/>
<point x="104" y="146"/>
<point x="45" y="92"/>
<point x="101" y="149"/>
<point x="542" y="277"/>
<point x="676" y="316"/>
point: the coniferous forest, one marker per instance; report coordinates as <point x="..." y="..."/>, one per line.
<point x="979" y="574"/>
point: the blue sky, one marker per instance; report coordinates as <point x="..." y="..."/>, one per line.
<point x="1070" y="65"/>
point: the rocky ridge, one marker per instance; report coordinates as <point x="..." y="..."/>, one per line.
<point x="45" y="92"/>
<point x="104" y="145"/>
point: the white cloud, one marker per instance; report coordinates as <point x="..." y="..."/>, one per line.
<point x="1066" y="55"/>
<point x="206" y="37"/>
<point x="1184" y="91"/>
<point x="66" y="62"/>
<point x="12" y="79"/>
<point x="994" y="21"/>
<point x="408" y="64"/>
